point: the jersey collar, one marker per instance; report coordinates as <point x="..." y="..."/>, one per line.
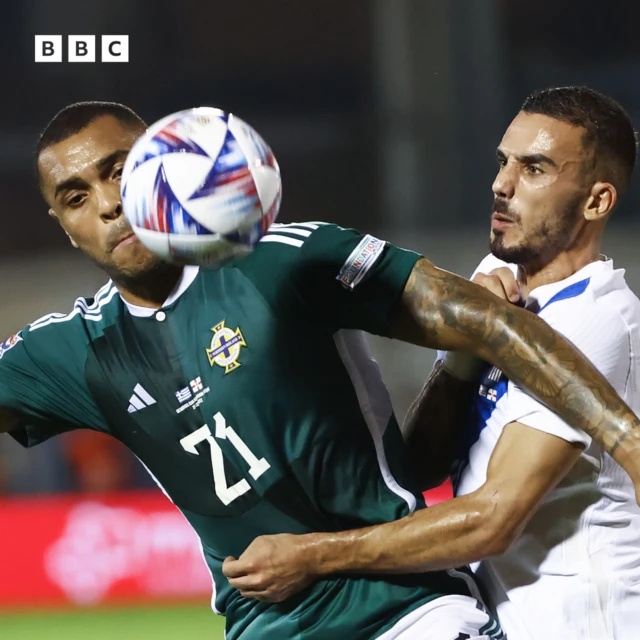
<point x="188" y="275"/>
<point x="541" y="295"/>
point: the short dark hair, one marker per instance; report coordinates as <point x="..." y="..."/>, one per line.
<point x="608" y="127"/>
<point x="75" y="117"/>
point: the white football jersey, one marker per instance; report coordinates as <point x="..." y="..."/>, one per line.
<point x="574" y="573"/>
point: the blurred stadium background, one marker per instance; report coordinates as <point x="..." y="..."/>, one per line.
<point x="383" y="114"/>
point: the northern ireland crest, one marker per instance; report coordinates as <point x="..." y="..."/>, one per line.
<point x="225" y="347"/>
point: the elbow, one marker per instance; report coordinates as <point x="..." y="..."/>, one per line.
<point x="499" y="528"/>
<point x="499" y="541"/>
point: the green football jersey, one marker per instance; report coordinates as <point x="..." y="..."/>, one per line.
<point x="252" y="399"/>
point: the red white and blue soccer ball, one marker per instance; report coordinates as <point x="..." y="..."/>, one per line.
<point x="200" y="187"/>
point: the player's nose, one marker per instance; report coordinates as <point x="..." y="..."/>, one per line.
<point x="504" y="184"/>
<point x="109" y="204"/>
<point x="112" y="212"/>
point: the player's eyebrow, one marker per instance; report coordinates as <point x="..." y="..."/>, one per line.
<point x="535" y="158"/>
<point x="528" y="158"/>
<point x="71" y="183"/>
<point x="101" y="165"/>
<point x="107" y="161"/>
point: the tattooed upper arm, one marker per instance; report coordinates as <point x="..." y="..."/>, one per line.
<point x="441" y="310"/>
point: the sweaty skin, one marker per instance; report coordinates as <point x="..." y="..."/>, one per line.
<point x="437" y="309"/>
<point x="552" y="197"/>
<point x="442" y="310"/>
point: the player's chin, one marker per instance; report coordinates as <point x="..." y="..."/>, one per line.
<point x="510" y="236"/>
<point x="503" y="247"/>
<point x="496" y="241"/>
<point x="135" y="260"/>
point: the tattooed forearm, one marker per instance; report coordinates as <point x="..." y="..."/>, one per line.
<point x="434" y="425"/>
<point x="441" y="310"/>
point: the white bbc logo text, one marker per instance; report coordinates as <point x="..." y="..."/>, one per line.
<point x="48" y="48"/>
<point x="115" y="48"/>
<point x="82" y="48"/>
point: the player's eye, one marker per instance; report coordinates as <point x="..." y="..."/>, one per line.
<point x="534" y="169"/>
<point x="117" y="173"/>
<point x="502" y="161"/>
<point x="76" y="200"/>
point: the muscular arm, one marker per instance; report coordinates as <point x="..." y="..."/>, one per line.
<point x="526" y="464"/>
<point x="433" y="424"/>
<point x="441" y="310"/>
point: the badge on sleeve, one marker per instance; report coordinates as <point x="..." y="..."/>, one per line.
<point x="9" y="343"/>
<point x="362" y="258"/>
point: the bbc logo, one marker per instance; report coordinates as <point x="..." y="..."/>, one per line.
<point x="82" y="49"/>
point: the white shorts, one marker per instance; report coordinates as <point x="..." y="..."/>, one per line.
<point x="447" y="618"/>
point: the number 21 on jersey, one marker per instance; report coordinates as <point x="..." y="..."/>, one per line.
<point x="226" y="493"/>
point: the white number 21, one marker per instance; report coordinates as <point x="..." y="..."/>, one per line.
<point x="227" y="494"/>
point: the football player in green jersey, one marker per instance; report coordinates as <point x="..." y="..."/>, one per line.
<point x="249" y="393"/>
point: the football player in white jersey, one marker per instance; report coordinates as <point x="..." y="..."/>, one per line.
<point x="552" y="518"/>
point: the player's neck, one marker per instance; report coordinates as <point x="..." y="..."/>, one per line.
<point x="150" y="290"/>
<point x="561" y="266"/>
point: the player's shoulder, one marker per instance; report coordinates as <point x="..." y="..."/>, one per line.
<point x="295" y="234"/>
<point x="612" y="301"/>
<point x="278" y="250"/>
<point x="316" y="237"/>
<point x="286" y="245"/>
<point x="598" y="287"/>
<point x="308" y="225"/>
<point x="313" y="251"/>
<point x="87" y="318"/>
<point x="608" y="286"/>
<point x="59" y="335"/>
<point x="596" y="304"/>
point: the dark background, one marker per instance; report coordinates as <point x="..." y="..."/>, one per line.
<point x="380" y="112"/>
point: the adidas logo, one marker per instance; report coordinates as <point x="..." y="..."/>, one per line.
<point x="139" y="400"/>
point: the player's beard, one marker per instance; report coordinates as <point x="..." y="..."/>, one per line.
<point x="153" y="280"/>
<point x="549" y="238"/>
<point x="142" y="272"/>
<point x="141" y="277"/>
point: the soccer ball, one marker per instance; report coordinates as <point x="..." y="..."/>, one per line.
<point x="200" y="187"/>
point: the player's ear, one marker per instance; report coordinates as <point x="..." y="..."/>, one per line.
<point x="72" y="241"/>
<point x="602" y="199"/>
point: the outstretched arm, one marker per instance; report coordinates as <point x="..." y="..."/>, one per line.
<point x="524" y="467"/>
<point x="441" y="310"/>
